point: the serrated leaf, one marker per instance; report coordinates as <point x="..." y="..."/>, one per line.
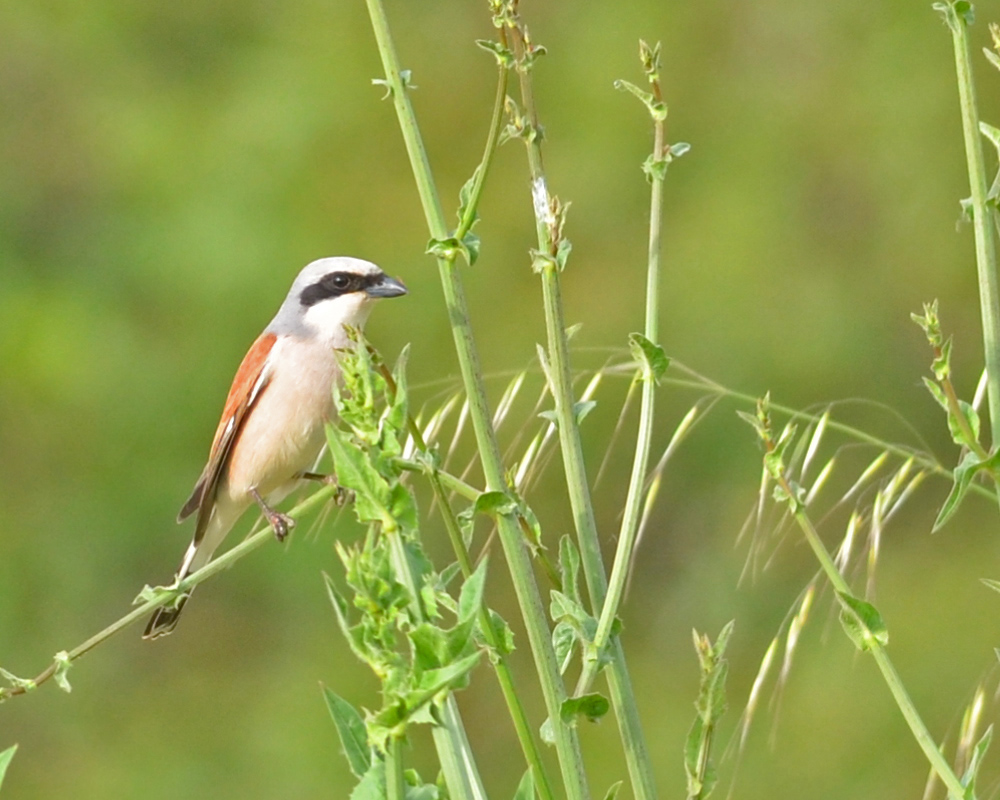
<point x="355" y="472"/>
<point x="593" y="706"/>
<point x="372" y="785"/>
<point x="430" y="646"/>
<point x="650" y="355"/>
<point x="862" y="622"/>
<point x="351" y="730"/>
<point x="450" y="676"/>
<point x="5" y="759"/>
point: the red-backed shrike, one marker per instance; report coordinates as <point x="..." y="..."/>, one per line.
<point x="272" y="427"/>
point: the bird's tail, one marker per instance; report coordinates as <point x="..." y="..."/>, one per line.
<point x="164" y="620"/>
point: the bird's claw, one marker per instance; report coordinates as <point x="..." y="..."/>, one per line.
<point x="281" y="524"/>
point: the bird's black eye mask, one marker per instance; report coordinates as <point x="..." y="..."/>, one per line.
<point x="335" y="284"/>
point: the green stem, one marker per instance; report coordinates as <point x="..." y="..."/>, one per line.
<point x="515" y="550"/>
<point x="923" y="460"/>
<point x="640" y="463"/>
<point x="501" y="666"/>
<point x="164" y="594"/>
<point x="395" y="782"/>
<point x="903" y="700"/>
<point x="986" y="260"/>
<point x="454" y="752"/>
<point x="560" y="376"/>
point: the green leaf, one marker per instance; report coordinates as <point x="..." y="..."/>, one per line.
<point x="494" y="503"/>
<point x="994" y="59"/>
<point x="569" y="568"/>
<point x="355" y="472"/>
<point x="936" y="392"/>
<point x="353" y="635"/>
<point x="564" y="607"/>
<point x="563" y="249"/>
<point x="677" y="149"/>
<point x="564" y="637"/>
<point x="547" y="732"/>
<point x="976" y="761"/>
<point x="451" y="676"/>
<point x="505" y="58"/>
<point x="581" y="408"/>
<point x="504" y="634"/>
<point x="862" y="622"/>
<point x="5" y="758"/>
<point x="992" y="584"/>
<point x="63" y="663"/>
<point x="471" y="245"/>
<point x="430" y="646"/>
<point x="593" y="706"/>
<point x="372" y="785"/>
<point x="423" y="792"/>
<point x="612" y="793"/>
<point x="526" y="788"/>
<point x="351" y="729"/>
<point x="650" y="355"/>
<point x="962" y="477"/>
<point x="657" y="109"/>
<point x="471" y="597"/>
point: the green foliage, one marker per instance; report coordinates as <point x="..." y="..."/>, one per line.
<point x="351" y="729"/>
<point x="397" y="596"/>
<point x="862" y="622"/>
<point x="5" y="759"/>
<point x="650" y="356"/>
<point x="975" y="763"/>
<point x="710" y="705"/>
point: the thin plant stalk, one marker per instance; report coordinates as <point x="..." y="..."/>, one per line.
<point x="877" y="649"/>
<point x="515" y="550"/>
<point x="501" y="666"/>
<point x="395" y="780"/>
<point x="986" y="258"/>
<point x="559" y="374"/>
<point x="632" y="514"/>
<point x="162" y="595"/>
<point x="457" y="762"/>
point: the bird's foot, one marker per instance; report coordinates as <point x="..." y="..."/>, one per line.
<point x="341" y="496"/>
<point x="280" y="523"/>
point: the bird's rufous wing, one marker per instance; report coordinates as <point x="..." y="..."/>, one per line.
<point x="251" y="379"/>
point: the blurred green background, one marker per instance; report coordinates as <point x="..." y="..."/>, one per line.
<point x="166" y="169"/>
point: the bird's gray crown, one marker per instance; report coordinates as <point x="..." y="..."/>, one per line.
<point x="317" y="281"/>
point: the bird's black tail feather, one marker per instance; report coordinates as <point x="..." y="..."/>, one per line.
<point x="164" y="620"/>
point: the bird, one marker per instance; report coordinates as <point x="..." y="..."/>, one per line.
<point x="272" y="430"/>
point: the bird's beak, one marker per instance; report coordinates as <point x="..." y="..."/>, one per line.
<point x="387" y="287"/>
